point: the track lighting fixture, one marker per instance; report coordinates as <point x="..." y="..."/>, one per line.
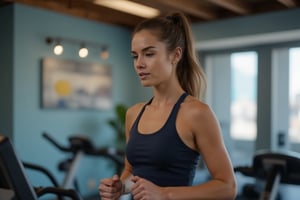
<point x="83" y="52"/>
<point x="58" y="49"/>
<point x="104" y="53"/>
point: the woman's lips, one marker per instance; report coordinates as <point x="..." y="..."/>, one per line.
<point x="143" y="75"/>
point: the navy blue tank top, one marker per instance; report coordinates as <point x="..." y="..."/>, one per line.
<point x="162" y="157"/>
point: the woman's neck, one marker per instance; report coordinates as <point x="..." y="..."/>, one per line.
<point x="169" y="97"/>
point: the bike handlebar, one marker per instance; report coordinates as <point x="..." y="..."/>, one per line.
<point x="55" y="143"/>
<point x="40" y="191"/>
<point x="85" y="147"/>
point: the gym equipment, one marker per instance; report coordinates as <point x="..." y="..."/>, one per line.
<point x="78" y="147"/>
<point x="43" y="170"/>
<point x="14" y="184"/>
<point x="274" y="168"/>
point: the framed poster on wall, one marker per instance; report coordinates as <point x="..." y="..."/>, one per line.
<point x="67" y="84"/>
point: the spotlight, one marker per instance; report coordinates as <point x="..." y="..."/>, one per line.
<point x="58" y="49"/>
<point x="83" y="52"/>
<point x="104" y="53"/>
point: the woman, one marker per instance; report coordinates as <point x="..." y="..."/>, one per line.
<point x="166" y="135"/>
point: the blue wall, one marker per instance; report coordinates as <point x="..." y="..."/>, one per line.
<point x="25" y="29"/>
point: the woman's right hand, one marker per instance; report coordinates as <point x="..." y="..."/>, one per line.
<point x="110" y="188"/>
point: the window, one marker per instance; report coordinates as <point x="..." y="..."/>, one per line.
<point x="294" y="94"/>
<point x="232" y="92"/>
<point x="243" y="95"/>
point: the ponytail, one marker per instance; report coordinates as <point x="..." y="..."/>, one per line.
<point x="174" y="30"/>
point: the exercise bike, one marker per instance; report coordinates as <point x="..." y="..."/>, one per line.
<point x="14" y="183"/>
<point x="274" y="168"/>
<point x="78" y="147"/>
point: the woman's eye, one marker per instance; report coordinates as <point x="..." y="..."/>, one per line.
<point x="134" y="57"/>
<point x="149" y="54"/>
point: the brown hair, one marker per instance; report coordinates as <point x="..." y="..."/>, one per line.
<point x="174" y="31"/>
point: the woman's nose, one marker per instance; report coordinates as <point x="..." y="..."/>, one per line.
<point x="139" y="63"/>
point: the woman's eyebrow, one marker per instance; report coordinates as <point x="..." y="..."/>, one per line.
<point x="148" y="48"/>
<point x="145" y="49"/>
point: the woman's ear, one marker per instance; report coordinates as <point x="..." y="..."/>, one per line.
<point x="177" y="55"/>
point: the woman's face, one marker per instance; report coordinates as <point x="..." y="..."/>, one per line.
<point x="152" y="63"/>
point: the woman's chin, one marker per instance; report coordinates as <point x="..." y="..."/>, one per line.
<point x="146" y="84"/>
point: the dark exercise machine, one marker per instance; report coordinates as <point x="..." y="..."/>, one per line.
<point x="274" y="168"/>
<point x="77" y="147"/>
<point x="14" y="184"/>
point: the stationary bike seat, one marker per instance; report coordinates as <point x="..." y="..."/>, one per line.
<point x="80" y="143"/>
<point x="288" y="163"/>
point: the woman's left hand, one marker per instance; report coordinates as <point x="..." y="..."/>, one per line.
<point x="146" y="190"/>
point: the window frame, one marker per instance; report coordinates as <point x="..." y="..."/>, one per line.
<point x="266" y="138"/>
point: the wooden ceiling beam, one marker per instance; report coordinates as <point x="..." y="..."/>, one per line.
<point x="182" y="5"/>
<point x="87" y="10"/>
<point x="236" y="6"/>
<point x="288" y="3"/>
<point x="196" y="10"/>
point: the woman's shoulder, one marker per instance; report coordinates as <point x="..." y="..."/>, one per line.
<point x="194" y="107"/>
<point x="134" y="110"/>
<point x="198" y="115"/>
<point x="136" y="107"/>
<point x="193" y="103"/>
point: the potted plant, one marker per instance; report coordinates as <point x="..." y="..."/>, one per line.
<point x="118" y="124"/>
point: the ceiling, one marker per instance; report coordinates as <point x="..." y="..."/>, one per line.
<point x="197" y="10"/>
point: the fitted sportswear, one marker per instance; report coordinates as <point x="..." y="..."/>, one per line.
<point x="162" y="157"/>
